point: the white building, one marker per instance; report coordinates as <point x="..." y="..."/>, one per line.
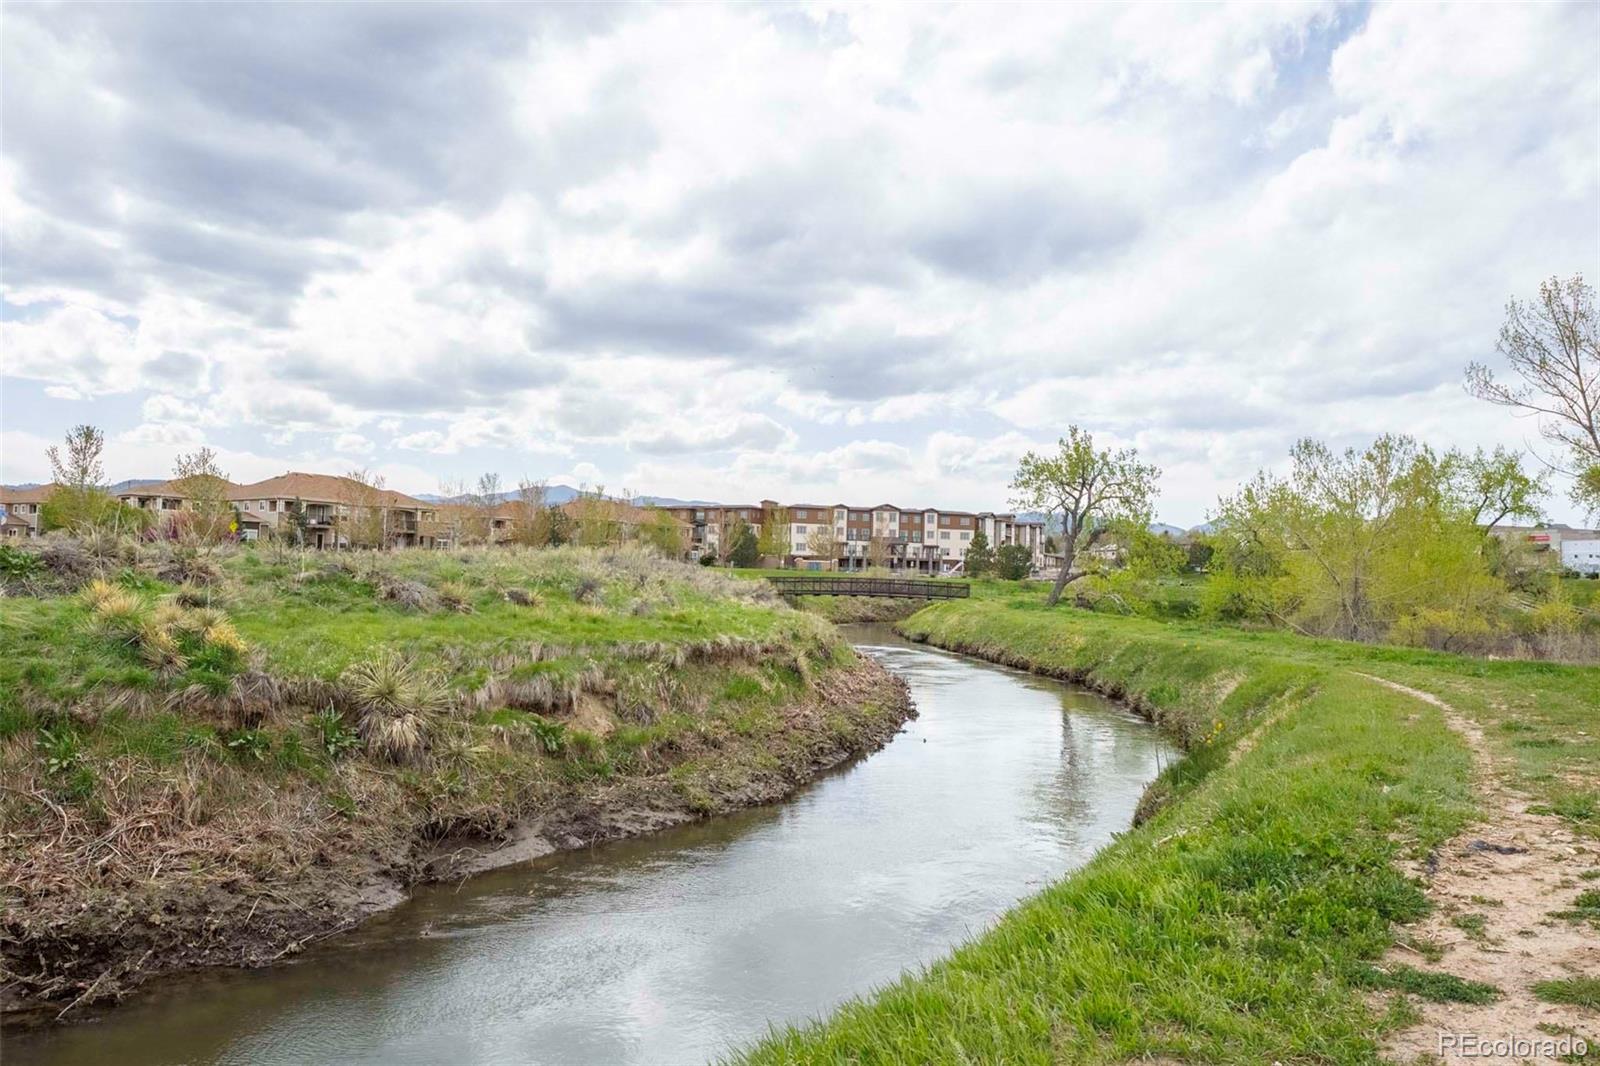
<point x="1581" y="556"/>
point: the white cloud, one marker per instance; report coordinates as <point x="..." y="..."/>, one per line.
<point x="748" y="251"/>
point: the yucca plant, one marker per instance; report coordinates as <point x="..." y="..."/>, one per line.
<point x="455" y="596"/>
<point x="395" y="704"/>
<point x="222" y="635"/>
<point x="159" y="648"/>
<point x="120" y="615"/>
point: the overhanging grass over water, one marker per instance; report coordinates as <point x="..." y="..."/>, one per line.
<point x="208" y="772"/>
<point x="1240" y="922"/>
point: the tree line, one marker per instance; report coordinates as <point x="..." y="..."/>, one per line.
<point x="1394" y="540"/>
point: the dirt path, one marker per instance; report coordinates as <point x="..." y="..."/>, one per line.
<point x="1493" y="889"/>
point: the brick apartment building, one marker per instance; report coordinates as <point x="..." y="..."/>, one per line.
<point x="925" y="540"/>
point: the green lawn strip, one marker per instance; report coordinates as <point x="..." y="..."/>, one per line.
<point x="1241" y="923"/>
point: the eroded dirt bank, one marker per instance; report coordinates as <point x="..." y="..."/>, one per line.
<point x="200" y="898"/>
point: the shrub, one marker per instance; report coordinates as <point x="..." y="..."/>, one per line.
<point x="1230" y="596"/>
<point x="1556" y="616"/>
<point x="1012" y="562"/>
<point x="522" y="597"/>
<point x="18" y="565"/>
<point x="395" y="704"/>
<point x="1443" y="629"/>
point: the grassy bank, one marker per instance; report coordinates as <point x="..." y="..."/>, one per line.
<point x="209" y="759"/>
<point x="1244" y="920"/>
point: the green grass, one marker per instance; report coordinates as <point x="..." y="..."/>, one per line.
<point x="1430" y="985"/>
<point x="1577" y="991"/>
<point x="239" y="737"/>
<point x="1240" y="922"/>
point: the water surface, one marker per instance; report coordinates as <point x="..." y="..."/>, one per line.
<point x="686" y="945"/>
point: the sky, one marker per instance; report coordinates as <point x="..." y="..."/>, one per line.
<point x="862" y="254"/>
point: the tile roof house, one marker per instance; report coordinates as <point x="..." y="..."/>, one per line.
<point x="330" y="511"/>
<point x="19" y="510"/>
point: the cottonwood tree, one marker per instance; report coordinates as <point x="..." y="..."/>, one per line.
<point x="877" y="551"/>
<point x="1352" y="542"/>
<point x="1552" y="346"/>
<point x="1492" y="486"/>
<point x="199" y="479"/>
<point x="1093" y="491"/>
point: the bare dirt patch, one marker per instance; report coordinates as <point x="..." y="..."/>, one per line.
<point x="1494" y="889"/>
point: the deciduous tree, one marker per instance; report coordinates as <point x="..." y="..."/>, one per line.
<point x="776" y="537"/>
<point x="209" y="516"/>
<point x="1092" y="490"/>
<point x="79" y="466"/>
<point x="365" y="523"/>
<point x="1552" y="347"/>
<point x="823" y="543"/>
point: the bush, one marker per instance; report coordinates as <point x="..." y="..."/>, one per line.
<point x="1444" y="629"/>
<point x="1230" y="596"/>
<point x="16" y="564"/>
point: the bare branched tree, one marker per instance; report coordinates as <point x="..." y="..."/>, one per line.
<point x="1552" y="347"/>
<point x="204" y="487"/>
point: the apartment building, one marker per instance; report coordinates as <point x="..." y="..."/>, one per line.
<point x="325" y="510"/>
<point x="840" y="536"/>
<point x="328" y="508"/>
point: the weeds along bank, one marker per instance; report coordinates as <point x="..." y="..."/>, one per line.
<point x="209" y="757"/>
<point x="1245" y="919"/>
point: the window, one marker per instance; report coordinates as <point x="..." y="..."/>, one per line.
<point x="966" y="536"/>
<point x="944" y="534"/>
<point x="964" y="520"/>
<point x="799" y="530"/>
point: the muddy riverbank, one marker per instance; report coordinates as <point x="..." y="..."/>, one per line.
<point x="67" y="951"/>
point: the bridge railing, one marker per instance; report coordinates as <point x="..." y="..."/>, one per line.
<point x="911" y="588"/>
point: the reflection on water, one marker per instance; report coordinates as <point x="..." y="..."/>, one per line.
<point x="690" y="943"/>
